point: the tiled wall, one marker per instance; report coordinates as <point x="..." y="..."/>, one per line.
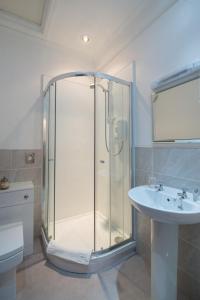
<point x="176" y="166"/>
<point x="13" y="166"/>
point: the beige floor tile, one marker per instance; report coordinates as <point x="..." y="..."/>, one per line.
<point x="118" y="287"/>
<point x="36" y="257"/>
<point x="136" y="271"/>
<point x="42" y="282"/>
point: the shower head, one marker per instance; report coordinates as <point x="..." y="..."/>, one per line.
<point x="92" y="86"/>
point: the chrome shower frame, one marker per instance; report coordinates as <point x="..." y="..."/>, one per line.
<point x="127" y="247"/>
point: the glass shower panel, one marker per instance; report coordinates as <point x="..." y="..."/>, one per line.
<point x="86" y="124"/>
<point x="48" y="206"/>
<point x="45" y="162"/>
<point x="112" y="164"/>
<point x="74" y="167"/>
<point x="119" y="157"/>
<point x="102" y="206"/>
<point x="51" y="160"/>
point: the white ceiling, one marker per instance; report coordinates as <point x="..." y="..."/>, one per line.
<point x="29" y="10"/>
<point x="111" y="24"/>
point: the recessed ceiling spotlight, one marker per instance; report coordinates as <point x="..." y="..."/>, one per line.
<point x="85" y="38"/>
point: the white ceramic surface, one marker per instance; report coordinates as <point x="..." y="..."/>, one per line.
<point x="11" y="255"/>
<point x="12" y="242"/>
<point x="163" y="206"/>
<point x="17" y="205"/>
<point x="166" y="210"/>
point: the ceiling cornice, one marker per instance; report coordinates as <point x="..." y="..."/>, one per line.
<point x="47" y="14"/>
<point x="139" y="20"/>
<point x="11" y="21"/>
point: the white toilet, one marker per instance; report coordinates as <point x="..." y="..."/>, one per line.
<point x="16" y="233"/>
<point x="11" y="255"/>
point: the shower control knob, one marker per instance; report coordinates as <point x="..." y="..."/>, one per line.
<point x="26" y="197"/>
<point x="102" y="161"/>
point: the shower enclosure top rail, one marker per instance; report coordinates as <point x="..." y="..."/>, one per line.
<point x="79" y="74"/>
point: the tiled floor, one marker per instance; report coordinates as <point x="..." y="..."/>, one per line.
<point x="127" y="281"/>
<point x="37" y="256"/>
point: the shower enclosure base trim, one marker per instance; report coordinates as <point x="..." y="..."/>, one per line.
<point x="98" y="261"/>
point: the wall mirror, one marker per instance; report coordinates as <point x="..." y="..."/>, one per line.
<point x="176" y="107"/>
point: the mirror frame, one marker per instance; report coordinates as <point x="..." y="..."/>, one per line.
<point x="174" y="79"/>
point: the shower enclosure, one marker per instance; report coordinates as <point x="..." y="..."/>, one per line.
<point x="87" y="170"/>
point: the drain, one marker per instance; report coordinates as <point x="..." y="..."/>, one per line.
<point x="118" y="239"/>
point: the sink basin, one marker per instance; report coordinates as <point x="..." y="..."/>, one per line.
<point x="165" y="206"/>
<point x="167" y="211"/>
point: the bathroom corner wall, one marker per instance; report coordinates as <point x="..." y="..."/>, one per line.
<point x="13" y="166"/>
<point x="170" y="43"/>
<point x="23" y="60"/>
<point x="177" y="166"/>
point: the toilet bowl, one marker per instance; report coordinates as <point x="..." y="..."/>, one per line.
<point x="11" y="255"/>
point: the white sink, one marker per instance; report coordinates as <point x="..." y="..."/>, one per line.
<point x="167" y="211"/>
<point x="164" y="206"/>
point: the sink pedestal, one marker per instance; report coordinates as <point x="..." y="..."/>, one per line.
<point x="164" y="253"/>
<point x="163" y="207"/>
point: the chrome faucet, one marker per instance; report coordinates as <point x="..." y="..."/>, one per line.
<point x="196" y="194"/>
<point x="183" y="195"/>
<point x="180" y="205"/>
<point x="159" y="187"/>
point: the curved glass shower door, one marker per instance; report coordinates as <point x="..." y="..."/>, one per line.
<point x="48" y="204"/>
<point x="112" y="164"/>
<point x="86" y="132"/>
<point x="120" y="161"/>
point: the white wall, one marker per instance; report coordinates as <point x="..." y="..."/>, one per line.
<point x="170" y="43"/>
<point x="23" y="60"/>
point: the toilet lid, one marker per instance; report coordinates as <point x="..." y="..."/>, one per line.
<point x="11" y="240"/>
